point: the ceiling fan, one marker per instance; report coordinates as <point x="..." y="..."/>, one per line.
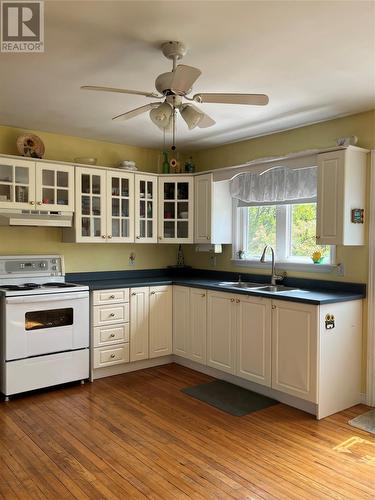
<point x="173" y="89"/>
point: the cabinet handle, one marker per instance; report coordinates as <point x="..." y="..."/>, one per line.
<point x="103" y="236"/>
<point x="138" y="237"/>
<point x="134" y="293"/>
<point x="112" y="297"/>
<point x="208" y="238"/>
<point x="273" y="306"/>
<point x="232" y="300"/>
<point x="203" y="295"/>
<point x="153" y="293"/>
<point x="113" y="355"/>
<point x="318" y="237"/>
<point x="160" y="238"/>
<point x="32" y="202"/>
<point x="112" y="335"/>
<point x="39" y="203"/>
<point x="109" y="236"/>
<point x="238" y="301"/>
<point x="112" y="314"/>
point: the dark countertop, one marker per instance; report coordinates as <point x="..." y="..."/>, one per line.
<point x="307" y="295"/>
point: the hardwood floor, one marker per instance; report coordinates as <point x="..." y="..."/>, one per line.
<point x="137" y="436"/>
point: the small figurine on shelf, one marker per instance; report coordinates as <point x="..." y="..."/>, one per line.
<point x="189" y="166"/>
<point x="165" y="166"/>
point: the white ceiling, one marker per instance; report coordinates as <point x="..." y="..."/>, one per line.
<point x="315" y="60"/>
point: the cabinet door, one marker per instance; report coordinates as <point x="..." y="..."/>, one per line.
<point x="120" y="207"/>
<point x="55" y="187"/>
<point x="160" y="321"/>
<point x="330" y="202"/>
<point x="139" y="327"/>
<point x="145" y="209"/>
<point x="221" y="309"/>
<point x="294" y="349"/>
<point x="202" y="191"/>
<point x="181" y="321"/>
<point x="254" y="339"/>
<point x="17" y="184"/>
<point x="198" y="325"/>
<point x="90" y="215"/>
<point x="176" y="221"/>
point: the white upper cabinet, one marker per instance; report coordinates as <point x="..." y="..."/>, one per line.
<point x="176" y="197"/>
<point x="341" y="188"/>
<point x="54" y="187"/>
<point x="212" y="211"/>
<point x="120" y="207"/>
<point x="146" y="208"/>
<point x="33" y="185"/>
<point x="104" y="206"/>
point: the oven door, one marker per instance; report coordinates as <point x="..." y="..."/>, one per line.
<point x="43" y="324"/>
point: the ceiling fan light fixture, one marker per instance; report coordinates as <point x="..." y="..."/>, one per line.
<point x="191" y="116"/>
<point x="161" y="115"/>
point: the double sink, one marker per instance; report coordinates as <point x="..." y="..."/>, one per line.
<point x="258" y="287"/>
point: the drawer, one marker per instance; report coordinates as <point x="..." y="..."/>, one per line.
<point x="106" y="315"/>
<point x="110" y="296"/>
<point x="107" y="335"/>
<point x="107" y="356"/>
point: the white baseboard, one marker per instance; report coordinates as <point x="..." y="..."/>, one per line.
<point x="306" y="406"/>
<point x="109" y="371"/>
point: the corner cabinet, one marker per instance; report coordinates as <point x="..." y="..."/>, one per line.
<point x="104" y="207"/>
<point x="176" y="217"/>
<point x="341" y="188"/>
<point x="33" y="185"/>
<point x="146" y="188"/>
<point x="212" y="211"/>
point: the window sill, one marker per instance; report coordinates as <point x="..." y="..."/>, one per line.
<point x="288" y="266"/>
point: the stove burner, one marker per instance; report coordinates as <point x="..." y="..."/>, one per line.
<point x="30" y="286"/>
<point x="56" y="284"/>
<point x="25" y="286"/>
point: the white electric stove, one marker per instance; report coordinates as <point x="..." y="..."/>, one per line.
<point x="45" y="328"/>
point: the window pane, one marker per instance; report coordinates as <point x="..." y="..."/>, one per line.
<point x="303" y="242"/>
<point x="261" y="229"/>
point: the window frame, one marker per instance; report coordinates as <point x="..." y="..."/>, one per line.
<point x="283" y="243"/>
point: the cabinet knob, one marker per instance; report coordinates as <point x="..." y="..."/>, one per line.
<point x="203" y="295"/>
<point x="103" y="236"/>
<point x="273" y="306"/>
<point x="39" y="203"/>
<point x="138" y="237"/>
<point x="112" y="297"/>
<point x="113" y="355"/>
<point x="317" y="237"/>
<point x="208" y="238"/>
<point x="112" y="335"/>
<point x="232" y="300"/>
<point x="238" y="301"/>
<point x="32" y="202"/>
<point x="134" y="293"/>
<point x="112" y="314"/>
<point x="160" y="238"/>
<point x="153" y="293"/>
<point x="109" y="236"/>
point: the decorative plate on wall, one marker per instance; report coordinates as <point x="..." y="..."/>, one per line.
<point x="30" y="145"/>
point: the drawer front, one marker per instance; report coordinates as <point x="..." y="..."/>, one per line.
<point x="106" y="315"/>
<point x="107" y="356"/>
<point x="111" y="296"/>
<point x="107" y="335"/>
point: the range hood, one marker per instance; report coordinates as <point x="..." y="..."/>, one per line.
<point x="44" y="219"/>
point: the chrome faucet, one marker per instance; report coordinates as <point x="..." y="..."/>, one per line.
<point x="274" y="277"/>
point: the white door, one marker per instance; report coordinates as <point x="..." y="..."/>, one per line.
<point x="254" y="339"/>
<point x="139" y="326"/>
<point x="91" y="205"/>
<point x="17" y="184"/>
<point x="221" y="325"/>
<point x="202" y="212"/>
<point x="329" y="222"/>
<point x="120" y="207"/>
<point x="160" y="321"/>
<point x="146" y="208"/>
<point x="54" y="187"/>
<point x="176" y="222"/>
<point x="181" y="321"/>
<point x="198" y="325"/>
<point x="294" y="349"/>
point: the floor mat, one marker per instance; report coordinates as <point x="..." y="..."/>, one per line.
<point x="365" y="422"/>
<point x="229" y="398"/>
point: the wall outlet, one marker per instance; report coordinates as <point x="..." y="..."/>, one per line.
<point x="132" y="259"/>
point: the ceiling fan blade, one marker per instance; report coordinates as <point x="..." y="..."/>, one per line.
<point x="136" y="111"/>
<point x="120" y="91"/>
<point x="183" y="78"/>
<point x="249" y="99"/>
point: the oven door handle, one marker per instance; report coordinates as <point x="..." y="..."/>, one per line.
<point x="61" y="297"/>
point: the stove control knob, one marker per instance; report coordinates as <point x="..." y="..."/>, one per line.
<point x="22" y="266"/>
<point x="43" y="265"/>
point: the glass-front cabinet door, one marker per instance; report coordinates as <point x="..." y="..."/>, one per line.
<point x="120" y="207"/>
<point x="17" y="184"/>
<point x="54" y="187"/>
<point x="176" y="209"/>
<point x="146" y="208"/>
<point x="91" y="198"/>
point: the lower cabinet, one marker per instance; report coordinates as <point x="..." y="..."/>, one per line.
<point x="160" y="321"/>
<point x="294" y="348"/>
<point x="139" y="324"/>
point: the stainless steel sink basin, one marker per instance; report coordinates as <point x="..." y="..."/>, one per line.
<point x="241" y="284"/>
<point x="277" y="288"/>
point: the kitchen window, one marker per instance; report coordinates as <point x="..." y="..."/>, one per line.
<point x="277" y="207"/>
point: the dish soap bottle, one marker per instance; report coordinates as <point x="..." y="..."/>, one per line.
<point x="165" y="166"/>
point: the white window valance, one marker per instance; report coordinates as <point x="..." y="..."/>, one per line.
<point x="276" y="186"/>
